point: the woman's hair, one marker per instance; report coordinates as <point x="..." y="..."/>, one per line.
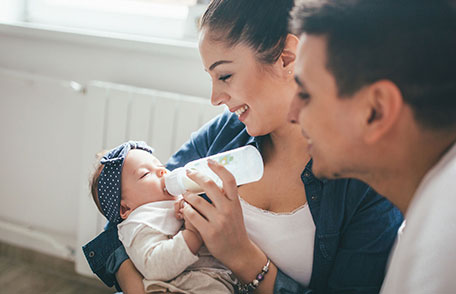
<point x="260" y="24"/>
<point x="94" y="177"/>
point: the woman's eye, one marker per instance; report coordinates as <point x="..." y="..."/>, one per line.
<point x="225" y="77"/>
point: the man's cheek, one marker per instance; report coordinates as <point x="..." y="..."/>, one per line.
<point x="304" y="119"/>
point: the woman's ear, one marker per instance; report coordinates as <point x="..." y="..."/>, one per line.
<point x="384" y="105"/>
<point x="125" y="210"/>
<point x="288" y="56"/>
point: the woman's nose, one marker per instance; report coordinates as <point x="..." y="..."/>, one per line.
<point x="218" y="97"/>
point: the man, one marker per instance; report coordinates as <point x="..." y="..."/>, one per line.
<point x="377" y="101"/>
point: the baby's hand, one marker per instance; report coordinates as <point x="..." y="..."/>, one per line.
<point x="178" y="205"/>
<point x="188" y="225"/>
<point x="192" y="237"/>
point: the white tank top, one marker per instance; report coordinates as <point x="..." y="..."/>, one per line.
<point x="286" y="238"/>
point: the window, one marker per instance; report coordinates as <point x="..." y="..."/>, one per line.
<point x="175" y="19"/>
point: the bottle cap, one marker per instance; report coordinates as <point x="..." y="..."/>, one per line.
<point x="173" y="182"/>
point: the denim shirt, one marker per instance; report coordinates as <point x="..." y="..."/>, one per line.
<point x="355" y="227"/>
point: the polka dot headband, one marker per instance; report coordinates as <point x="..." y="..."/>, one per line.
<point x="110" y="178"/>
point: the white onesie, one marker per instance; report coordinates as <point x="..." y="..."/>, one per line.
<point x="152" y="238"/>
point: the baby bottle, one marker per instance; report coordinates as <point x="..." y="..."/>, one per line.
<point x="245" y="163"/>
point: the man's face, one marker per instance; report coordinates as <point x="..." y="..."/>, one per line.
<point x="331" y="124"/>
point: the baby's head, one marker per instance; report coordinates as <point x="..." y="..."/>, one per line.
<point x="128" y="176"/>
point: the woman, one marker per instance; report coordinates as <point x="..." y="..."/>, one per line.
<point x="325" y="236"/>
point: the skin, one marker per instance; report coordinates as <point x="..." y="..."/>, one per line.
<point x="142" y="181"/>
<point x="239" y="80"/>
<point x="267" y="91"/>
<point x="371" y="135"/>
<point x="320" y="109"/>
<point x="129" y="279"/>
<point x="376" y="117"/>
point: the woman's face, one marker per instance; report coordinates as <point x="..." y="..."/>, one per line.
<point x="259" y="94"/>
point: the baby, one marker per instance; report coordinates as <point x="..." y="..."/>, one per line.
<point x="129" y="189"/>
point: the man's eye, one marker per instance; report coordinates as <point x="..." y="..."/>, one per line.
<point x="303" y="95"/>
<point x="225" y="77"/>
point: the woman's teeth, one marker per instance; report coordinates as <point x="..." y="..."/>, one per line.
<point x="241" y="110"/>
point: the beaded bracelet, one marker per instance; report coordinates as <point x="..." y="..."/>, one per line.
<point x="250" y="287"/>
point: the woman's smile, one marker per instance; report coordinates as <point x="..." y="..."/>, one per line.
<point x="242" y="112"/>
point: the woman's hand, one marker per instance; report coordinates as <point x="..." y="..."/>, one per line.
<point x="220" y="224"/>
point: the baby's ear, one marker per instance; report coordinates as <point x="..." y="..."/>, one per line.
<point x="124" y="210"/>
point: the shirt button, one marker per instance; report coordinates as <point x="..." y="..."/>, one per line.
<point x="314" y="197"/>
<point x="91" y="254"/>
<point x="307" y="174"/>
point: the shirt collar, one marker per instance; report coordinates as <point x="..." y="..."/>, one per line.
<point x="256" y="141"/>
<point x="308" y="173"/>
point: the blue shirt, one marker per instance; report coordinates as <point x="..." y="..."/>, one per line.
<point x="355" y="226"/>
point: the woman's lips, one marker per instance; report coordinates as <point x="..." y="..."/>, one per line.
<point x="241" y="110"/>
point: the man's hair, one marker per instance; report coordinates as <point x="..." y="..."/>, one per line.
<point x="261" y="25"/>
<point x="409" y="42"/>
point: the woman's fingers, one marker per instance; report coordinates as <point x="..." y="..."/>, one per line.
<point x="195" y="218"/>
<point x="199" y="204"/>
<point x="210" y="188"/>
<point x="229" y="182"/>
<point x="220" y="224"/>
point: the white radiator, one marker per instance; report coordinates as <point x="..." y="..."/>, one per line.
<point x="117" y="113"/>
<point x="51" y="130"/>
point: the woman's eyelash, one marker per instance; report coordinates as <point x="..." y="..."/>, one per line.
<point x="225" y="77"/>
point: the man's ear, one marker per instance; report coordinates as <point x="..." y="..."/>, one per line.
<point x="385" y="103"/>
<point x="124" y="209"/>
<point x="288" y="56"/>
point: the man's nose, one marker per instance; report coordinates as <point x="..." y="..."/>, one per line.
<point x="293" y="113"/>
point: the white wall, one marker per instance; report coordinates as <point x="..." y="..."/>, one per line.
<point x="41" y="132"/>
<point x="145" y="62"/>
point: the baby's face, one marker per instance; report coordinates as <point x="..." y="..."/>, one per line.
<point x="143" y="179"/>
